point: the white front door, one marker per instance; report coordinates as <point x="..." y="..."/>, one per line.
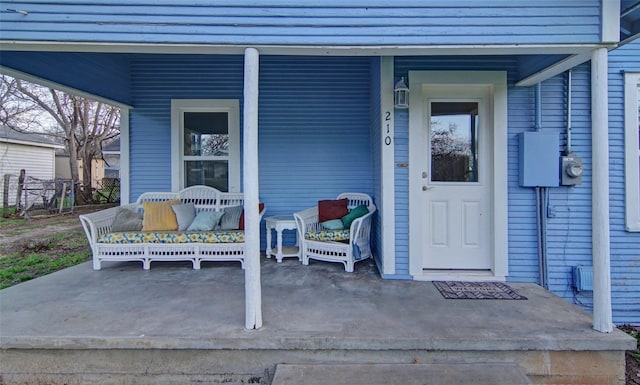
<point x="457" y="187"/>
<point x="458" y="175"/>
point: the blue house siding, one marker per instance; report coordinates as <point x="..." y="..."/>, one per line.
<point x="569" y="208"/>
<point x="156" y="79"/>
<point x="522" y="249"/>
<point x="314" y="137"/>
<point x="314" y="116"/>
<point x="625" y="246"/>
<point x="288" y="22"/>
<point x="401" y="178"/>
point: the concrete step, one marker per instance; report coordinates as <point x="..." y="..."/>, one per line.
<point x="406" y="374"/>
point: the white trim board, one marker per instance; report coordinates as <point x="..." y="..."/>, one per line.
<point x="382" y="50"/>
<point x="497" y="80"/>
<point x="387" y="165"/>
<point x="610" y="21"/>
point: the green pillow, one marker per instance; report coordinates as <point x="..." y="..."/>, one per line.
<point x="333" y="224"/>
<point x="354" y="214"/>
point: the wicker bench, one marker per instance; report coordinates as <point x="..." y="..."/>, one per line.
<point x="145" y="247"/>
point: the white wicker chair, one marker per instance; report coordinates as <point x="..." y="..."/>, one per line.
<point x="357" y="248"/>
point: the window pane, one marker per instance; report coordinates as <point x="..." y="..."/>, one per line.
<point x="206" y="134"/>
<point x="214" y="173"/>
<point x="454" y="141"/>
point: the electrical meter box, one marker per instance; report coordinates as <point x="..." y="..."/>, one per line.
<point x="539" y="153"/>
<point x="571" y="169"/>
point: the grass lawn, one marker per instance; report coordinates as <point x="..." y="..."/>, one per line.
<point x="39" y="246"/>
<point x="41" y="256"/>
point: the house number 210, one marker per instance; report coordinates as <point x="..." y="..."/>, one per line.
<point x="387" y="125"/>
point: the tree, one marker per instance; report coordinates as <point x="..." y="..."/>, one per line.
<point x="83" y="125"/>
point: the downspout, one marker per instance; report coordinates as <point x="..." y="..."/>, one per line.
<point x="541" y="215"/>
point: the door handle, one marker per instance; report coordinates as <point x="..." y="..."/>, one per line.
<point x="425" y="188"/>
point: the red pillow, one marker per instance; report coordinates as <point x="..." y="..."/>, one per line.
<point x="241" y="225"/>
<point x="332" y="209"/>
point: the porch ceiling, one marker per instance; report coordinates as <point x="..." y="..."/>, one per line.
<point x="629" y="18"/>
<point x="105" y="75"/>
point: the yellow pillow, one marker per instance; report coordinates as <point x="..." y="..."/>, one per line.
<point x="158" y="216"/>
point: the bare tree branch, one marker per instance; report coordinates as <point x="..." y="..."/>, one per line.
<point x="83" y="124"/>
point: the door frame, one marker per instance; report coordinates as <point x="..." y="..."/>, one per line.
<point x="497" y="81"/>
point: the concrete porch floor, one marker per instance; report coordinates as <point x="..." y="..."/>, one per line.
<point x="172" y="324"/>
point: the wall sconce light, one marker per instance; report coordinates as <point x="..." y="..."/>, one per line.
<point x="401" y="94"/>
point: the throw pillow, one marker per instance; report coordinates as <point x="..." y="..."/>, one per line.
<point x="354" y="214"/>
<point x="231" y="218"/>
<point x="205" y="221"/>
<point x="158" y="216"/>
<point x="332" y="209"/>
<point x="333" y="224"/>
<point x="241" y="225"/>
<point x="126" y="220"/>
<point x="185" y="213"/>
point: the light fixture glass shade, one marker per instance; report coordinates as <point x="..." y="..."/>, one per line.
<point x="401" y="94"/>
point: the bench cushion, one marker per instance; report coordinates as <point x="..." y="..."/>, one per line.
<point x="231" y="236"/>
<point x="327" y="235"/>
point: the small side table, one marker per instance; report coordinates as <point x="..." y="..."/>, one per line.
<point x="281" y="223"/>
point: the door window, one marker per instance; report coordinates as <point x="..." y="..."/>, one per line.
<point x="454" y="141"/>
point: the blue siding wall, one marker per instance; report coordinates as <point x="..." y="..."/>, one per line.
<point x="625" y="246"/>
<point x="289" y="22"/>
<point x="157" y="79"/>
<point x="401" y="178"/>
<point x="314" y="117"/>
<point x="106" y="75"/>
<point x="569" y="208"/>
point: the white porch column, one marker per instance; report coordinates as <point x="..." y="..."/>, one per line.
<point x="252" y="288"/>
<point x="602" y="317"/>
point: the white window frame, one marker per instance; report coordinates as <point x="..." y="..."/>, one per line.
<point x="178" y="108"/>
<point x="631" y="151"/>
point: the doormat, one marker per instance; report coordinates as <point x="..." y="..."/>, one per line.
<point x="476" y="290"/>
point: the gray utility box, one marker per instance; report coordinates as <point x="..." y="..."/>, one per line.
<point x="539" y="152"/>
